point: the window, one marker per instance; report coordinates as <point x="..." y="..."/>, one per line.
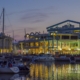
<point x="37" y="44"/>
<point x="31" y="44"/>
<point x="74" y="37"/>
<point x="65" y="37"/>
<point x="27" y="44"/>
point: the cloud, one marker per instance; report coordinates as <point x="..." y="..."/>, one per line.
<point x="38" y="15"/>
<point x="34" y="17"/>
<point x="21" y="12"/>
<point x="30" y="16"/>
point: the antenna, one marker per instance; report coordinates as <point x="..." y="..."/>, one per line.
<point x="25" y="33"/>
<point x="13" y="35"/>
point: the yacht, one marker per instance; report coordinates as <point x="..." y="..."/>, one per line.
<point x="10" y="66"/>
<point x="44" y="57"/>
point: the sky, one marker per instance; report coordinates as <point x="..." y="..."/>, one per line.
<point x="36" y="15"/>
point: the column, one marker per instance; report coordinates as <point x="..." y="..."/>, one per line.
<point x="44" y="46"/>
<point x="48" y="44"/>
<point x="21" y="47"/>
<point x="53" y="42"/>
<point x="78" y="40"/>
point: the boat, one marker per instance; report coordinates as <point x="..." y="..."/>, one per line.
<point x="61" y="59"/>
<point x="6" y="67"/>
<point x="69" y="59"/>
<point x="44" y="57"/>
<point x="10" y="66"/>
<point x="29" y="57"/>
<point x="72" y="59"/>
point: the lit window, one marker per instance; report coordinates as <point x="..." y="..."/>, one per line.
<point x="31" y="44"/>
<point x="37" y="44"/>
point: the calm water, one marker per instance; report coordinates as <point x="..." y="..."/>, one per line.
<point x="47" y="71"/>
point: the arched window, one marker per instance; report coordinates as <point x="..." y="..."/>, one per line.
<point x="32" y="35"/>
<point x="37" y="33"/>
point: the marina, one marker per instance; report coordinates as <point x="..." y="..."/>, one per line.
<point x="10" y="65"/>
<point x="59" y="45"/>
<point x="48" y="71"/>
<point x="54" y="55"/>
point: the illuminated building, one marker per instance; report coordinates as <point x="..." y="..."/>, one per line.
<point x="63" y="37"/>
<point x="5" y="44"/>
<point x="35" y="43"/>
<point x="5" y="41"/>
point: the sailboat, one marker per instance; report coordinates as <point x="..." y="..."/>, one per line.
<point x="10" y="66"/>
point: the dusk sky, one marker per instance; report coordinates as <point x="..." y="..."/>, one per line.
<point x="36" y="15"/>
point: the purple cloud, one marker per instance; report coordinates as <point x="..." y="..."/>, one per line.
<point x="21" y="12"/>
<point x="34" y="17"/>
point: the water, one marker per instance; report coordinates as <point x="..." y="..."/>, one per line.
<point x="47" y="71"/>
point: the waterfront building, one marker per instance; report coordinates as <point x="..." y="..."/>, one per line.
<point x="35" y="43"/>
<point x="63" y="37"/>
<point x="5" y="41"/>
<point x="5" y="44"/>
<point x="67" y="37"/>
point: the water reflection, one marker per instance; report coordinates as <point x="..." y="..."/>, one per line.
<point x="14" y="76"/>
<point x="55" y="71"/>
<point x="47" y="71"/>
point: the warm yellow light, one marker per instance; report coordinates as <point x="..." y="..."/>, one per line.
<point x="76" y="30"/>
<point x="36" y="38"/>
<point x="27" y="36"/>
<point x="53" y="34"/>
<point x="78" y="49"/>
<point x="69" y="48"/>
<point x="60" y="49"/>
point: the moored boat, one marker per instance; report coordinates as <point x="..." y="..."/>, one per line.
<point x="72" y="59"/>
<point x="11" y="67"/>
<point x="44" y="57"/>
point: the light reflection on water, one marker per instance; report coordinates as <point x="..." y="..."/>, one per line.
<point x="47" y="71"/>
<point x="57" y="71"/>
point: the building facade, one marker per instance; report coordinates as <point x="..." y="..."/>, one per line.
<point x="5" y="44"/>
<point x="63" y="37"/>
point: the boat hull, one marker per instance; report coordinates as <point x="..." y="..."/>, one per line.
<point x="9" y="70"/>
<point x="44" y="59"/>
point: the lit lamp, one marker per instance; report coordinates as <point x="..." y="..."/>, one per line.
<point x="60" y="49"/>
<point x="53" y="34"/>
<point x="27" y="36"/>
<point x="69" y="49"/>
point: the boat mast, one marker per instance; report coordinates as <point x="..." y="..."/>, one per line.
<point x="3" y="22"/>
<point x="13" y="42"/>
<point x="3" y="32"/>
